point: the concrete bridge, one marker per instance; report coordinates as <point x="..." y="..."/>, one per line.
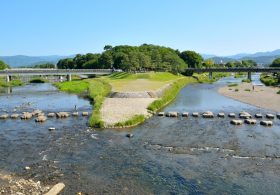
<point x="58" y="72"/>
<point x="234" y="70"/>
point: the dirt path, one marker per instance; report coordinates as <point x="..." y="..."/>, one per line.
<point x="261" y="96"/>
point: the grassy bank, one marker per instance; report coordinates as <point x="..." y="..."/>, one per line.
<point x="95" y="89"/>
<point x="204" y="78"/>
<point x="135" y="120"/>
<point x="14" y="82"/>
<point x="269" y="80"/>
<point x="171" y="93"/>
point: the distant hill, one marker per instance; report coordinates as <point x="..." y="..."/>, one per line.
<point x="263" y="58"/>
<point x="21" y="60"/>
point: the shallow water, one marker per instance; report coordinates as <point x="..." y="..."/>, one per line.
<point x="165" y="156"/>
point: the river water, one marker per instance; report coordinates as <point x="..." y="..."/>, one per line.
<point x="165" y="156"/>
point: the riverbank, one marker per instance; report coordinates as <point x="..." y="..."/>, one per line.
<point x="125" y="100"/>
<point x="12" y="83"/>
<point x="261" y="96"/>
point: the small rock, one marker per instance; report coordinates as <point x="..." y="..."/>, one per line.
<point x="258" y="115"/>
<point x="27" y="168"/>
<point x="266" y="123"/>
<point x="221" y="115"/>
<point x="270" y="116"/>
<point x="51" y="129"/>
<point x="195" y="114"/>
<point x="129" y="135"/>
<point x="85" y="114"/>
<point x="236" y="122"/>
<point x="231" y="115"/>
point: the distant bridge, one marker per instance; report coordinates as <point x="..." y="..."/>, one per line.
<point x="248" y="70"/>
<point x="59" y="72"/>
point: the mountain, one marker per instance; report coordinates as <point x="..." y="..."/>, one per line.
<point x="263" y="58"/>
<point x="21" y="60"/>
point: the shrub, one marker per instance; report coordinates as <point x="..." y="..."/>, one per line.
<point x="278" y="92"/>
<point x="233" y="85"/>
<point x="247" y="90"/>
<point x="137" y="119"/>
<point x="236" y="90"/>
<point x="246" y="81"/>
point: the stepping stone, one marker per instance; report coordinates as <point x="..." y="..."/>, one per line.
<point x="51" y="114"/>
<point x="62" y="114"/>
<point x="251" y="121"/>
<point x="236" y="122"/>
<point x="161" y="114"/>
<point x="51" y="129"/>
<point x="26" y="116"/>
<point x="14" y="116"/>
<point x="129" y="135"/>
<point x="195" y="114"/>
<point x="270" y="116"/>
<point x="258" y="115"/>
<point x="172" y="114"/>
<point x="185" y="114"/>
<point x="278" y="116"/>
<point x="231" y="115"/>
<point x="84" y="113"/>
<point x="208" y="114"/>
<point x="221" y="115"/>
<point x="75" y="114"/>
<point x="244" y="115"/>
<point x="266" y="123"/>
<point x="4" y="116"/>
<point x="40" y="119"/>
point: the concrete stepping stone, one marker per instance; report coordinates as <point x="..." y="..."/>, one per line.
<point x="236" y="122"/>
<point x="266" y="123"/>
<point x="270" y="116"/>
<point x="185" y="114"/>
<point x="258" y="115"/>
<point x="231" y="115"/>
<point x="161" y="114"/>
<point x="251" y="121"/>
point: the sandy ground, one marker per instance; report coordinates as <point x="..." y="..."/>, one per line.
<point x="116" y="110"/>
<point x="262" y="96"/>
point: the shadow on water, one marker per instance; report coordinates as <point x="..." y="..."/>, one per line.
<point x="165" y="156"/>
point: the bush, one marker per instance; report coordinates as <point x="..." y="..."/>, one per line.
<point x="246" y="81"/>
<point x="269" y="80"/>
<point x="278" y="92"/>
<point x="247" y="90"/>
<point x="236" y="90"/>
<point x="233" y="85"/>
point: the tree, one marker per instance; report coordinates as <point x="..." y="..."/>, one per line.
<point x="3" y="65"/>
<point x="108" y="47"/>
<point x="193" y="59"/>
<point x="276" y="63"/>
<point x="208" y="63"/>
<point x="106" y="60"/>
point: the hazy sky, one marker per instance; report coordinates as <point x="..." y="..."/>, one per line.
<point x="222" y="27"/>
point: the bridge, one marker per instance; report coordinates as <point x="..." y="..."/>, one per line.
<point x="57" y="72"/>
<point x="234" y="70"/>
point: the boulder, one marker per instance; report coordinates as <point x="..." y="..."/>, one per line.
<point x="221" y="115"/>
<point x="258" y="115"/>
<point x="4" y="116"/>
<point x="26" y="116"/>
<point x="270" y="116"/>
<point x="231" y="115"/>
<point x="51" y="114"/>
<point x="244" y="115"/>
<point x="14" y="116"/>
<point x="161" y="114"/>
<point x="236" y="122"/>
<point x="40" y="119"/>
<point x="208" y="114"/>
<point x="62" y="114"/>
<point x="266" y="123"/>
<point x="251" y="121"/>
<point x="172" y="114"/>
<point x="84" y="113"/>
<point x="195" y="114"/>
<point x="75" y="114"/>
<point x="185" y="114"/>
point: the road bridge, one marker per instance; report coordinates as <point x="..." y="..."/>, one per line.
<point x="58" y="72"/>
<point x="234" y="70"/>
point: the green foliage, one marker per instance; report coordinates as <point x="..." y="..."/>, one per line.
<point x="276" y="63"/>
<point x="3" y="65"/>
<point x="247" y="90"/>
<point x="170" y="93"/>
<point x="236" y="90"/>
<point x="14" y="82"/>
<point x="38" y="80"/>
<point x="129" y="58"/>
<point x="209" y="63"/>
<point x="278" y="92"/>
<point x="233" y="85"/>
<point x="135" y="120"/>
<point x="269" y="80"/>
<point x="193" y="59"/>
<point x="204" y="78"/>
<point x="47" y="65"/>
<point x="246" y="81"/>
<point x="241" y="64"/>
<point x="239" y="75"/>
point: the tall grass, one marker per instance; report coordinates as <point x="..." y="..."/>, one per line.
<point x="170" y="93"/>
<point x="135" y="120"/>
<point x="12" y="83"/>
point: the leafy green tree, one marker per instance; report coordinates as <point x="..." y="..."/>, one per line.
<point x="106" y="60"/>
<point x="208" y="63"/>
<point x="248" y="63"/>
<point x="276" y="63"/>
<point x="67" y="63"/>
<point x="3" y="65"/>
<point x="108" y="47"/>
<point x="193" y="59"/>
<point x="47" y="65"/>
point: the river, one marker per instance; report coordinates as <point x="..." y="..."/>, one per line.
<point x="165" y="156"/>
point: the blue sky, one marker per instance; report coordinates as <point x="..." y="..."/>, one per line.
<point x="222" y="27"/>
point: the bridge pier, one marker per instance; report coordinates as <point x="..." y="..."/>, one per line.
<point x="8" y="78"/>
<point x="69" y="77"/>
<point x="211" y="75"/>
<point x="250" y="76"/>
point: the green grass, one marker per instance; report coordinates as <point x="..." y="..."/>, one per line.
<point x="38" y="80"/>
<point x="239" y="75"/>
<point x="233" y="85"/>
<point x="95" y="89"/>
<point x="269" y="80"/>
<point x="136" y="120"/>
<point x="236" y="90"/>
<point x="247" y="90"/>
<point x="246" y="81"/>
<point x="14" y="82"/>
<point x="170" y="93"/>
